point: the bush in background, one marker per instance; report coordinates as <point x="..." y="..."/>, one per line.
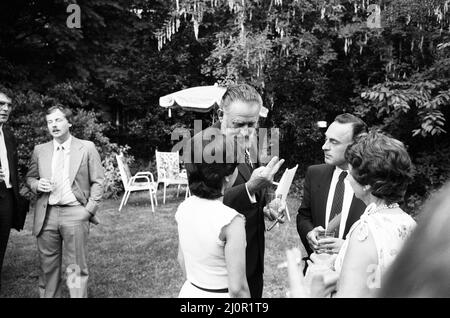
<point x="28" y="123"/>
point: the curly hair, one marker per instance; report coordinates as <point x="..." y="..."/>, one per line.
<point x="381" y="162"/>
<point x="217" y="161"/>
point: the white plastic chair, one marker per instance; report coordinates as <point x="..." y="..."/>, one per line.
<point x="168" y="167"/>
<point x="131" y="184"/>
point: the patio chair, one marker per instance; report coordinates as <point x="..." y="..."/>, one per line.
<point x="141" y="181"/>
<point x="168" y="167"/>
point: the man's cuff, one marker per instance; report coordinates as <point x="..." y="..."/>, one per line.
<point x="252" y="198"/>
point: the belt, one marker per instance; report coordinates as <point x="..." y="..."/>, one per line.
<point x="61" y="205"/>
<point x="222" y="290"/>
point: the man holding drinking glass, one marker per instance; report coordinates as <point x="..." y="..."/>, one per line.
<point x="328" y="199"/>
<point x="67" y="176"/>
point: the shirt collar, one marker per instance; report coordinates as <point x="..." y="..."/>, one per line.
<point x="66" y="144"/>
<point x="338" y="171"/>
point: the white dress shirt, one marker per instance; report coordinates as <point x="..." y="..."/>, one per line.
<point x="4" y="160"/>
<point x="67" y="196"/>
<point x="348" y="197"/>
<point x="251" y="197"/>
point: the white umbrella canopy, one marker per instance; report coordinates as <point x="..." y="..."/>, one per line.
<point x="199" y="99"/>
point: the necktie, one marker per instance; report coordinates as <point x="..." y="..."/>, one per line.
<point x="58" y="176"/>
<point x="247" y="158"/>
<point x="338" y="198"/>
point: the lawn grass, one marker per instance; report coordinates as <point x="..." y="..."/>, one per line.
<point x="132" y="253"/>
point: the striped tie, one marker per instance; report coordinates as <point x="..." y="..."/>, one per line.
<point x="58" y="177"/>
<point x="338" y="198"/>
<point x="247" y="158"/>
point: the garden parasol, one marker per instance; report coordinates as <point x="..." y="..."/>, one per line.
<point x="199" y="99"/>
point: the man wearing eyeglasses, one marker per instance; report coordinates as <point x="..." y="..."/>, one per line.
<point x="12" y="205"/>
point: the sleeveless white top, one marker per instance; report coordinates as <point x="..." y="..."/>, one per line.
<point x="200" y="222"/>
<point x="389" y="231"/>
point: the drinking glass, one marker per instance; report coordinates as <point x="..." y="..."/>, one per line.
<point x="322" y="235"/>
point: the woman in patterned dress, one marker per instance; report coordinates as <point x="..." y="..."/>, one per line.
<point x="379" y="172"/>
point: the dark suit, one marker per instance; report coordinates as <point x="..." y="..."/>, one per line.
<point x="13" y="207"/>
<point x="313" y="208"/>
<point x="237" y="198"/>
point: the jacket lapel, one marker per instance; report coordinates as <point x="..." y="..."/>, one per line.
<point x="244" y="171"/>
<point x="76" y="155"/>
<point x="323" y="188"/>
<point x="10" y="154"/>
<point x="357" y="208"/>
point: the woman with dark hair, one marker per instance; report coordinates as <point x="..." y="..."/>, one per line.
<point x="211" y="235"/>
<point x="421" y="269"/>
<point x="379" y="172"/>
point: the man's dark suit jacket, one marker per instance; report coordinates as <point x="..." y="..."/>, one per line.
<point x="315" y="193"/>
<point x="20" y="204"/>
<point x="237" y="198"/>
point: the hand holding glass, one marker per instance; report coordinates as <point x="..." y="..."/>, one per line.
<point x="323" y="234"/>
<point x="275" y="203"/>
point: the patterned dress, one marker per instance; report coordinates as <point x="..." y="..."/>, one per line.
<point x="389" y="229"/>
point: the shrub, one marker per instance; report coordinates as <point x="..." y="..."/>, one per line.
<point x="28" y="124"/>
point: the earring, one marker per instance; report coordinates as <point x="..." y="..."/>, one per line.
<point x="366" y="188"/>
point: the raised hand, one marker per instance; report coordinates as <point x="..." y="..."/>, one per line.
<point x="263" y="176"/>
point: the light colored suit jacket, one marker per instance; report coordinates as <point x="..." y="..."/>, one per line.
<point x="86" y="176"/>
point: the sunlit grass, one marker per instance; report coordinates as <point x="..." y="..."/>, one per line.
<point x="132" y="253"/>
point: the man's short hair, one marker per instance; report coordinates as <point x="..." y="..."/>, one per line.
<point x="66" y="111"/>
<point x="240" y="92"/>
<point x="359" y="126"/>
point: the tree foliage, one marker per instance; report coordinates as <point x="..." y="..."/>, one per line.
<point x="310" y="59"/>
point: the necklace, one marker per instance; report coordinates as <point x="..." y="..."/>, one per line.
<point x="373" y="208"/>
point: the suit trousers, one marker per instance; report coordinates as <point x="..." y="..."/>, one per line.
<point x="255" y="285"/>
<point x="6" y="216"/>
<point x="64" y="236"/>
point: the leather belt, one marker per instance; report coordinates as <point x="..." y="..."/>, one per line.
<point x="59" y="205"/>
<point x="222" y="290"/>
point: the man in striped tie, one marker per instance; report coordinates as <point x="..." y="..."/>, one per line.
<point x="328" y="199"/>
<point x="67" y="176"/>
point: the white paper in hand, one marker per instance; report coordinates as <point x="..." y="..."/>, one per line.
<point x="284" y="185"/>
